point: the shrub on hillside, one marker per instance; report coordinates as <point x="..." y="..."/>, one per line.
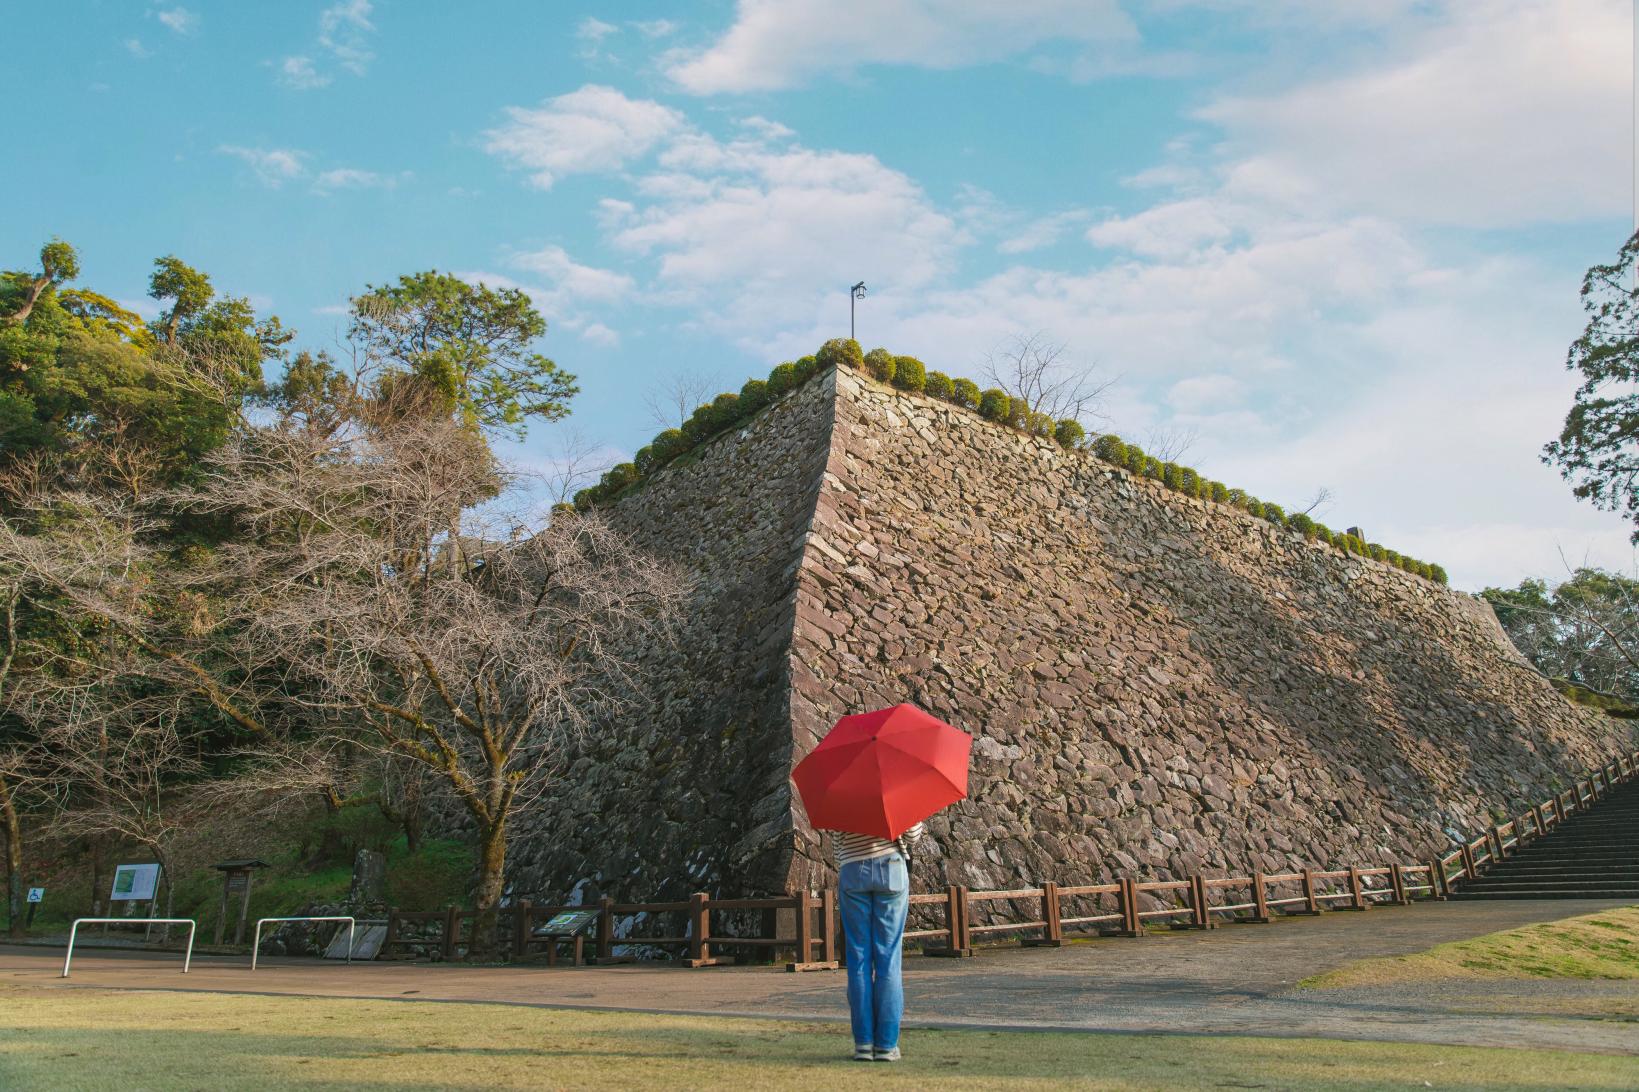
<point x="1172" y="475"/>
<point x="1040" y="424"/>
<point x="879" y="365"/>
<point x="965" y="392"/>
<point x="839" y="352"/>
<point x="753" y="396"/>
<point x="701" y="425"/>
<point x="909" y="373"/>
<point x="669" y="445"/>
<point x="1189" y="481"/>
<point x="725" y="409"/>
<point x="1392" y="557"/>
<point x="1218" y="491"/>
<point x="1274" y="513"/>
<point x="782" y="379"/>
<point x="939" y="386"/>
<point x="1438" y="575"/>
<point x="1322" y="533"/>
<point x="1301" y="523"/>
<point x="1069" y="433"/>
<point x="645" y="460"/>
<point x="1236" y="498"/>
<point x="1111" y="449"/>
<point x="808" y="366"/>
<point x="1376" y="552"/>
<point x="1152" y="468"/>
<point x="619" y="477"/>
<point x="1018" y="413"/>
<point x="585" y="499"/>
<point x="994" y="404"/>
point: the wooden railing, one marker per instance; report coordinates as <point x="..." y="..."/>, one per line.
<point x="942" y="922"/>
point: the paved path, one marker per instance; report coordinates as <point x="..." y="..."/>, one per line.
<point x="1234" y="980"/>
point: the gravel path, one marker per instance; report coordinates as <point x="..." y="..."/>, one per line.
<point x="1233" y="980"/>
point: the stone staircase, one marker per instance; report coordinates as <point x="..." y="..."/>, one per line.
<point x="1592" y="855"/>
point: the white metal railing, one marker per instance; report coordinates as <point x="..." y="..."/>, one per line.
<point x="256" y="943"/>
<point x="74" y="930"/>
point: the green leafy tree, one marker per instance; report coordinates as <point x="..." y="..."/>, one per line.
<point x="470" y="343"/>
<point x="1596" y="449"/>
<point x="1584" y="629"/>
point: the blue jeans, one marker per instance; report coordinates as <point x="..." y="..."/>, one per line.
<point x="875" y="897"/>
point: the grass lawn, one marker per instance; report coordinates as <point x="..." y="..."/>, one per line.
<point x="1603" y="945"/>
<point x="72" y="1038"/>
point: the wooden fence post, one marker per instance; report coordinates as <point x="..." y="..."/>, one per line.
<point x="1357" y="892"/>
<point x="1469" y="872"/>
<point x="452" y="926"/>
<point x="1131" y="924"/>
<point x="1559" y="809"/>
<point x="520" y="929"/>
<point x="1260" y="901"/>
<point x="955" y="924"/>
<point x="1052" y="931"/>
<point x="1199" y="918"/>
<point x="699" y="931"/>
<point x="1496" y="845"/>
<point x="389" y="940"/>
<point x="805" y="926"/>
<point x="606" y="929"/>
<point x="828" y="927"/>
<point x="1311" y="904"/>
<point x="1397" y="885"/>
<point x="1540" y="820"/>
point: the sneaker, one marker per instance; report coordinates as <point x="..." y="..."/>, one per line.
<point x="885" y="1055"/>
<point x="864" y="1053"/>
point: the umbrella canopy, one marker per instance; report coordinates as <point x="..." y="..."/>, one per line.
<point x="881" y="773"/>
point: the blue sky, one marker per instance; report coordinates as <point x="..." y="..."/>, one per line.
<point x="1337" y="241"/>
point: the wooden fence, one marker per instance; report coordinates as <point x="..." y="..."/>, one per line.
<point x="702" y="927"/>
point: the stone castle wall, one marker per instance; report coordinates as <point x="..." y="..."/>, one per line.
<point x="1156" y="685"/>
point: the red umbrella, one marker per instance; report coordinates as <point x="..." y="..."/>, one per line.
<point x="882" y="773"/>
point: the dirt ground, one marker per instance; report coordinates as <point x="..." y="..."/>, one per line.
<point x="1236" y="980"/>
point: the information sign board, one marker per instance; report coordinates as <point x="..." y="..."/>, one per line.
<point x="133" y="882"/>
<point x="36" y="894"/>
<point x="567" y="924"/>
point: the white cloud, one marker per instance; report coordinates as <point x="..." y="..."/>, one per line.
<point x="352" y="178"/>
<point x="599" y="334"/>
<point x="765" y="129"/>
<point x="178" y="19"/>
<point x="1205" y="393"/>
<point x="299" y="73"/>
<point x="273" y="166"/>
<point x="343" y="41"/>
<point x="571" y="280"/>
<point x="343" y="32"/>
<point x="1042" y="231"/>
<point x="594" y="30"/>
<point x="781" y="43"/>
<point x="655" y="28"/>
<point x="590" y="129"/>
<point x="1170" y="230"/>
<point x="1506" y="112"/>
<point x="135" y="48"/>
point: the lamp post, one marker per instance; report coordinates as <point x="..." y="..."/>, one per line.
<point x="857" y="292"/>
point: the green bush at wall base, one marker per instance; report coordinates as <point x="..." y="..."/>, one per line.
<point x="782" y="379"/>
<point x="994" y="405"/>
<point x="753" y="396"/>
<point x="839" y="352"/>
<point x="909" y="373"/>
<point x="1110" y="448"/>
<point x="879" y="365"/>
<point x="939" y="386"/>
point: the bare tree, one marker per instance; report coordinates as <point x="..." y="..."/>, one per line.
<point x="1031" y="367"/>
<point x="477" y="674"/>
<point x="574" y="461"/>
<point x="672" y="400"/>
<point x="1319" y="502"/>
<point x="1169" y="445"/>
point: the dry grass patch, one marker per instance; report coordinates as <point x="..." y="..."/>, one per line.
<point x="1603" y="945"/>
<point x="88" y="1039"/>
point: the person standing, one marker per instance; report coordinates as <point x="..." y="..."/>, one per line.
<point x="874" y="885"/>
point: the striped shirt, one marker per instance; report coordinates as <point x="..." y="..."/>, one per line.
<point x="864" y="847"/>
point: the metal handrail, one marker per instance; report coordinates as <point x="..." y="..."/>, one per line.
<point x="256" y="943"/>
<point x="74" y="930"/>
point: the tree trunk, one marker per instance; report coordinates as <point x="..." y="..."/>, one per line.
<point x="491" y="882"/>
<point x="14" y="862"/>
<point x="99" y="874"/>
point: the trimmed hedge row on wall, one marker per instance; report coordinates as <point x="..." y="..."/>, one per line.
<point x="1116" y="451"/>
<point x="907" y="373"/>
